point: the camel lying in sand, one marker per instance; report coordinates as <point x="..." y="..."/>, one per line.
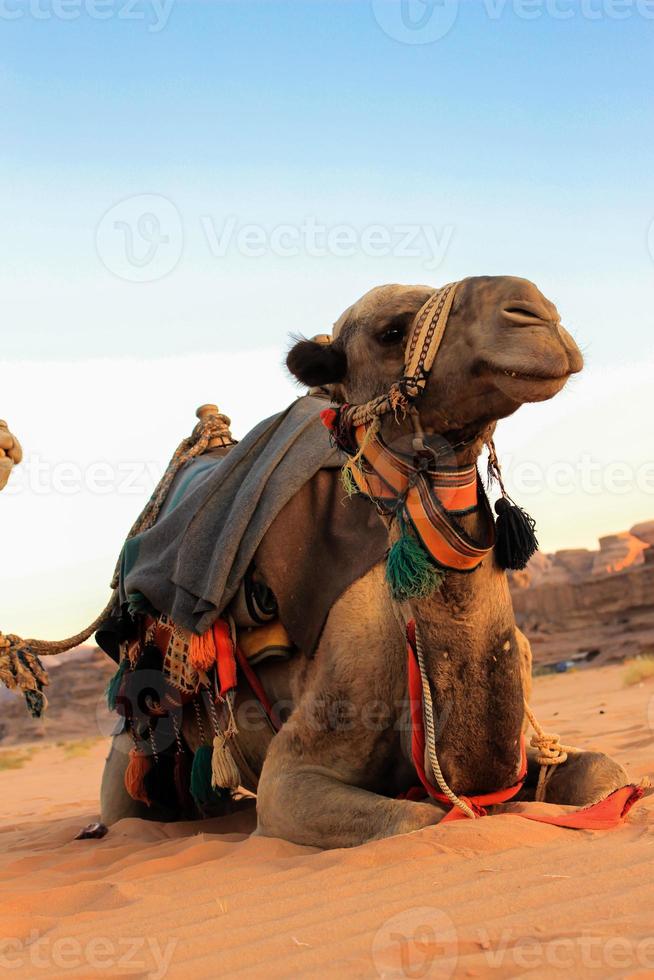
<point x="332" y="775"/>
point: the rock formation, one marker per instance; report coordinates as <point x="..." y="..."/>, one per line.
<point x="590" y="605"/>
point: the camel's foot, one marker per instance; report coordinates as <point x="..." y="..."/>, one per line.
<point x="115" y="801"/>
<point x="585" y="779"/>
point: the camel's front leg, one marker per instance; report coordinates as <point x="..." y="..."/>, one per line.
<point x="325" y="771"/>
<point x="584" y="779"/>
<point x="303" y="801"/>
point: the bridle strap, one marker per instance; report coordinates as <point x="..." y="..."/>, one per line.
<point x="424" y="341"/>
<point x="427" y="333"/>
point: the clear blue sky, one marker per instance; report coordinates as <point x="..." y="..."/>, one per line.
<point x="531" y="139"/>
<point x="522" y="146"/>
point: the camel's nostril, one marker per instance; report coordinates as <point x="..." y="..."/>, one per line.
<point x="518" y="309"/>
<point x="523" y="316"/>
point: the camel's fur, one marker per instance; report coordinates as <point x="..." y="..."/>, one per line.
<point x="330" y="776"/>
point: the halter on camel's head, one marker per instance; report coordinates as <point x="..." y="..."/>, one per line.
<point x="422" y="345"/>
<point x="425" y="498"/>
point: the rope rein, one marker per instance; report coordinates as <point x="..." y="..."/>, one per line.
<point x="428" y="708"/>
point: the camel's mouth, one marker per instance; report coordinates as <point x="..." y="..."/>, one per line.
<point x="527" y="376"/>
<point x="527" y="386"/>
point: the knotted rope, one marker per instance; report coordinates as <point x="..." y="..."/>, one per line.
<point x="20" y="667"/>
<point x="550" y="752"/>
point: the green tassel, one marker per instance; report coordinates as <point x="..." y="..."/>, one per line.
<point x="201" y="789"/>
<point x="113" y="687"/>
<point x="410" y="572"/>
<point x="201" y="776"/>
<point x="349" y="484"/>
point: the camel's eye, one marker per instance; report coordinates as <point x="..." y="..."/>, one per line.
<point x="393" y="334"/>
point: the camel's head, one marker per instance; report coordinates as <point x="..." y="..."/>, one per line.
<point x="503" y="345"/>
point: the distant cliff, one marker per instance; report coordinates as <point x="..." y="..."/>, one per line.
<point x="593" y="605"/>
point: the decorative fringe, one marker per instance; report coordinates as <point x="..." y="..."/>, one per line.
<point x="201" y="775"/>
<point x="224" y="771"/>
<point x="137" y="769"/>
<point x="410" y="572"/>
<point x="202" y="651"/>
<point x="36" y="702"/>
<point x="113" y="687"/>
<point x="21" y="670"/>
<point x="348" y="481"/>
<point x="355" y="458"/>
<point x="515" y="540"/>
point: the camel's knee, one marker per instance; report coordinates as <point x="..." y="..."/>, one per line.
<point x="584" y="779"/>
<point x="279" y="803"/>
<point x="311" y="807"/>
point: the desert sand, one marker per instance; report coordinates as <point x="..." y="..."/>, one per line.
<point x="500" y="896"/>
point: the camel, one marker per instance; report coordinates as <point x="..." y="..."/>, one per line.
<point x="334" y="774"/>
<point x="10" y="453"/>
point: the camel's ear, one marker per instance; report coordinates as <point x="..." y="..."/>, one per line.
<point x="317" y="364"/>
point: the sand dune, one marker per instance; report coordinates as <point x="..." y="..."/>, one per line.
<point x="498" y="897"/>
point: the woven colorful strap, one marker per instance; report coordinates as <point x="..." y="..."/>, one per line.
<point x="431" y="499"/>
<point x="427" y="333"/>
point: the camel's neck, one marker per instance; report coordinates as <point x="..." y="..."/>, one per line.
<point x="468" y="634"/>
<point x="472" y="658"/>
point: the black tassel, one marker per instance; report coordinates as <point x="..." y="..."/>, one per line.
<point x="182" y="778"/>
<point x="515" y="540"/>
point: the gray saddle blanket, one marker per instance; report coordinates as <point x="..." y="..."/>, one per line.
<point x="191" y="563"/>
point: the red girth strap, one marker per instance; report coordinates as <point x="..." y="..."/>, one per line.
<point x="257" y="689"/>
<point x="604" y="815"/>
